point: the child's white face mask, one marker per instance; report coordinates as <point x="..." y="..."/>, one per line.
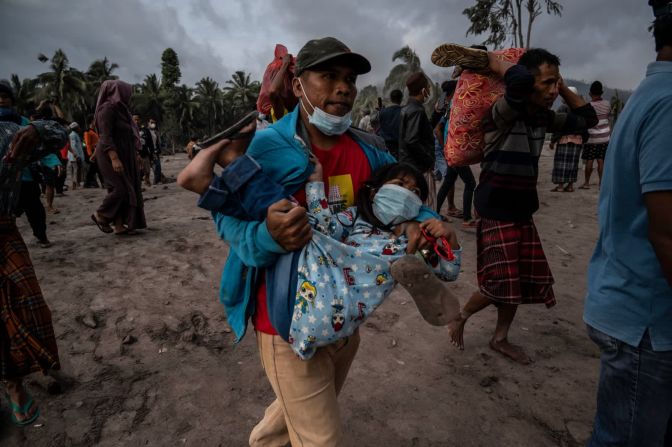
<point x="394" y="204"/>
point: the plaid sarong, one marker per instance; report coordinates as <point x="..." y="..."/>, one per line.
<point x="566" y="163"/>
<point x="512" y="267"/>
<point x="27" y="341"/>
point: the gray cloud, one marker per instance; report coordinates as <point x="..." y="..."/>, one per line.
<point x="596" y="39"/>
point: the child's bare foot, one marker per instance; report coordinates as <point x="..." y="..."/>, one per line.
<point x="511" y="351"/>
<point x="456" y="331"/>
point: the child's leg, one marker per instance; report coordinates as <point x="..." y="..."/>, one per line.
<point x="437" y="305"/>
<point x="243" y="190"/>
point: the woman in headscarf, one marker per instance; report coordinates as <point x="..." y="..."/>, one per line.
<point x="116" y="155"/>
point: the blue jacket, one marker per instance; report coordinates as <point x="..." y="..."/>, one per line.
<point x="282" y="151"/>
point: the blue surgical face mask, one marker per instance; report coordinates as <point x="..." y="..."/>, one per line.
<point x="327" y="123"/>
<point x="394" y="204"/>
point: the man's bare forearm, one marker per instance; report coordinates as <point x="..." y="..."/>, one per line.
<point x="198" y="174"/>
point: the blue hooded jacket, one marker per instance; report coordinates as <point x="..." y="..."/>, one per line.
<point x="282" y="151"/>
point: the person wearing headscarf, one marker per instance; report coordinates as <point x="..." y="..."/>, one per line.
<point x="27" y="340"/>
<point x="116" y="156"/>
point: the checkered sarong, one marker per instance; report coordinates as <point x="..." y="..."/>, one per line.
<point x="512" y="266"/>
<point x="27" y="342"/>
<point x="566" y="163"/>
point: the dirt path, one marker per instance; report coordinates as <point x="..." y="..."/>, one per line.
<point x="160" y="369"/>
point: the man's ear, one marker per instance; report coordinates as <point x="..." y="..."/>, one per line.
<point x="296" y="87"/>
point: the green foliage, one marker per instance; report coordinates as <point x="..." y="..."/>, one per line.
<point x="241" y="93"/>
<point x="410" y="63"/>
<point x="617" y="105"/>
<point x="367" y="99"/>
<point x="64" y="85"/>
<point x="504" y="19"/>
<point x="24" y="94"/>
<point x="170" y="69"/>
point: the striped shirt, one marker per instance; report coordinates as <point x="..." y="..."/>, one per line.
<point x="600" y="133"/>
<point x="507" y="189"/>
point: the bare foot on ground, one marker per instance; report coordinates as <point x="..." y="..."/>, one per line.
<point x="513" y="352"/>
<point x="456" y="332"/>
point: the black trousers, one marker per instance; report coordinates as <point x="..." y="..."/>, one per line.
<point x="30" y="203"/>
<point x="90" y="181"/>
<point x="464" y="172"/>
<point x="60" y="180"/>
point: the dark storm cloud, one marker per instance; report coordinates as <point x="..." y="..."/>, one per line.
<point x="128" y="33"/>
<point x="605" y="39"/>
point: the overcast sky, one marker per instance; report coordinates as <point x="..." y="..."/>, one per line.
<point x="595" y="39"/>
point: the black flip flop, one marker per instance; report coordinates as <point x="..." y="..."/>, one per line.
<point x="105" y="228"/>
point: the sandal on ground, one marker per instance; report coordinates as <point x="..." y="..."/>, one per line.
<point x="450" y="55"/>
<point x="125" y="232"/>
<point x="557" y="189"/>
<point x="568" y="189"/>
<point x="455" y="213"/>
<point x="104" y="227"/>
<point x="23" y="411"/>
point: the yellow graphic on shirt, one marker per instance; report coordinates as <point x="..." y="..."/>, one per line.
<point x="341" y="193"/>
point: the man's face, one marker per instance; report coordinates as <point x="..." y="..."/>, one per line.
<point x="546" y="82"/>
<point x="136" y="119"/>
<point x="152" y="124"/>
<point x="5" y="100"/>
<point x="330" y="88"/>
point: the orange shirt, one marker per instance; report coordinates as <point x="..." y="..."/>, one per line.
<point x="91" y="140"/>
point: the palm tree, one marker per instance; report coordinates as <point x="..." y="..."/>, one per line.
<point x="210" y="99"/>
<point x="99" y="71"/>
<point x="149" y="98"/>
<point x="65" y="85"/>
<point x="242" y="92"/>
<point x="184" y="107"/>
<point x="24" y="93"/>
<point x="397" y="77"/>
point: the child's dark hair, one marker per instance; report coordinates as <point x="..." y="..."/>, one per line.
<point x="378" y="179"/>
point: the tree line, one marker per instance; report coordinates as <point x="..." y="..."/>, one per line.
<point x="182" y="111"/>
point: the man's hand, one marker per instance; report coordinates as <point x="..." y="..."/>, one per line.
<point x="287" y="223"/>
<point x="416" y="241"/>
<point x="24" y="142"/>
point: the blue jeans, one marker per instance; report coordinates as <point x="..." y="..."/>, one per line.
<point x="634" y="397"/>
<point x="440" y="164"/>
<point x="464" y="172"/>
<point x="242" y="191"/>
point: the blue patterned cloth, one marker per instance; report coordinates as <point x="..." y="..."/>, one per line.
<point x="344" y="274"/>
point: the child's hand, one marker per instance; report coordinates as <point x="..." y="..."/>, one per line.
<point x="439" y="228"/>
<point x="316" y="176"/>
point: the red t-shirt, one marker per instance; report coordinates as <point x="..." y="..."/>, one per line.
<point x="346" y="168"/>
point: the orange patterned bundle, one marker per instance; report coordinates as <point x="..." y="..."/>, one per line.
<point x="474" y="95"/>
